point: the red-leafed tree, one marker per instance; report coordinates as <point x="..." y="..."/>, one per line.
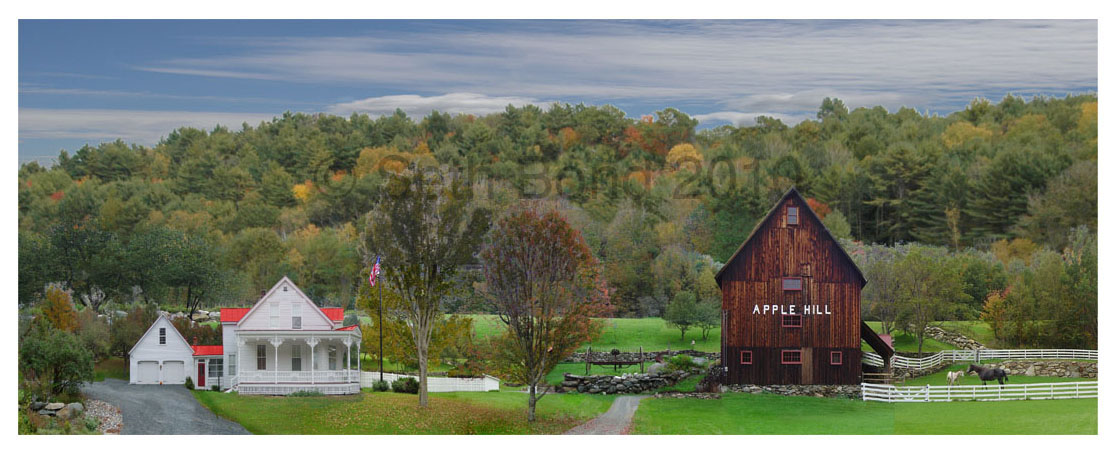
<point x="546" y="287"/>
<point x="820" y="208"/>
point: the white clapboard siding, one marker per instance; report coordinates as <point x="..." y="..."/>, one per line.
<point x="438" y="384"/>
<point x="953" y="356"/>
<point x="283" y="297"/>
<point x="929" y="393"/>
<point x="148" y="350"/>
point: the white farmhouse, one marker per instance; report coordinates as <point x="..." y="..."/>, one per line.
<point x="282" y="344"/>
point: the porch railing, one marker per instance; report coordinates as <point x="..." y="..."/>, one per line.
<point x="283" y="376"/>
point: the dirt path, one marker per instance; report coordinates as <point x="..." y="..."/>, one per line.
<point x="615" y="421"/>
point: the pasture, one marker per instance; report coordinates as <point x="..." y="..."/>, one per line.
<point x="755" y="414"/>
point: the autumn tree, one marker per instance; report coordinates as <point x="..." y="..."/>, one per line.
<point x="546" y="287"/>
<point x="59" y="309"/>
<point x="424" y="230"/>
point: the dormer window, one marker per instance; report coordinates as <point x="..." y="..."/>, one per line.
<point x="792" y="215"/>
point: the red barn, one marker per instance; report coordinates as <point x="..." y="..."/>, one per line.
<point x="791" y="304"/>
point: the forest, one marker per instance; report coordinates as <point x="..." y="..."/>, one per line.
<point x="987" y="213"/>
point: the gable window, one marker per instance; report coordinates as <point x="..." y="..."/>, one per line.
<point x="792" y="215"/>
<point x="835" y="358"/>
<point x="232" y="364"/>
<point x="296" y="357"/>
<point x="745" y="357"/>
<point x="162" y="336"/>
<point x="792" y="284"/>
<point x="792" y="357"/>
<point x="296" y="316"/>
<point x="274" y="315"/>
<point x="792" y="320"/>
<point x="261" y="357"/>
<point x="332" y="357"/>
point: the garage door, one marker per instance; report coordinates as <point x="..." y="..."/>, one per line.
<point x="148" y="373"/>
<point x="174" y="372"/>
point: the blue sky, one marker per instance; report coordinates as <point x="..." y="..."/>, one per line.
<point x="91" y="81"/>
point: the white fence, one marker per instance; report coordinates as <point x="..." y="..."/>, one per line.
<point x="437" y="384"/>
<point x="928" y="393"/>
<point x="951" y="356"/>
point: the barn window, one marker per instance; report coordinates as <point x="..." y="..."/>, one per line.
<point x="261" y="357"/>
<point x="792" y="320"/>
<point x="296" y="357"/>
<point x="792" y="284"/>
<point x="792" y="357"/>
<point x="296" y="316"/>
<point x="835" y="358"/>
<point x="162" y="336"/>
<point x="792" y="215"/>
<point x="745" y="357"/>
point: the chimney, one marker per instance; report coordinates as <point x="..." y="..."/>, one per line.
<point x="195" y="340"/>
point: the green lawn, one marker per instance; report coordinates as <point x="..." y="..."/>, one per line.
<point x="110" y="368"/>
<point x="740" y="413"/>
<point x="973" y="329"/>
<point x="904" y="342"/>
<point x="392" y="413"/>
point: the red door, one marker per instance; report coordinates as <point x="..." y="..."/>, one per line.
<point x="201" y="374"/>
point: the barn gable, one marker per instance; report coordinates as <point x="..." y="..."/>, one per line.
<point x="776" y="217"/>
<point x="285" y="300"/>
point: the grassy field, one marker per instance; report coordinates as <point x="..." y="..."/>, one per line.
<point x="939" y="378"/>
<point x="904" y="342"/>
<point x="740" y="413"/>
<point x="392" y="413"/>
<point x="110" y="368"/>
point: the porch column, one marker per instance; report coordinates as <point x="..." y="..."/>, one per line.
<point x="276" y="343"/>
<point x="313" y="342"/>
<point x="358" y="361"/>
<point x="348" y="341"/>
<point x="239" y="352"/>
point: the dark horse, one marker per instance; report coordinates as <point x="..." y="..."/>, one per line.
<point x="988" y="374"/>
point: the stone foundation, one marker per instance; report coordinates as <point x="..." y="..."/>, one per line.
<point x="839" y="391"/>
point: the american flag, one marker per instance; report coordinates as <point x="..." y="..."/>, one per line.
<point x="374" y="273"/>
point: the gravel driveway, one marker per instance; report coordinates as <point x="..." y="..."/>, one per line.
<point x="160" y="410"/>
<point x="615" y="421"/>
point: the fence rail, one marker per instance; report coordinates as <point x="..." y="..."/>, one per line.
<point x="928" y="393"/>
<point x="952" y="356"/>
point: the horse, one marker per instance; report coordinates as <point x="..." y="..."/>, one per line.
<point x="987" y="374"/>
<point x="953" y="377"/>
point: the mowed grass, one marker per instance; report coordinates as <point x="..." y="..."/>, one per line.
<point x="744" y="414"/>
<point x="392" y="413"/>
<point x="939" y="378"/>
<point x="626" y="334"/>
<point x="110" y="368"/>
<point x="905" y="342"/>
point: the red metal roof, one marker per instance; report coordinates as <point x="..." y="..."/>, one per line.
<point x="208" y="350"/>
<point x="334" y="313"/>
<point x="233" y="314"/>
<point x="346" y="328"/>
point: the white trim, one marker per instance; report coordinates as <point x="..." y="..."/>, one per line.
<point x="300" y="293"/>
<point x="149" y="328"/>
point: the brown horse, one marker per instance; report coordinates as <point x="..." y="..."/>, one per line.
<point x="988" y="374"/>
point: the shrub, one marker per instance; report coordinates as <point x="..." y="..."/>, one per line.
<point x="380" y="386"/>
<point x="189" y="383"/>
<point x="57" y="360"/>
<point x="405" y="385"/>
<point x="306" y="394"/>
<point x="350" y="320"/>
<point x="91" y="423"/>
<point x="215" y="388"/>
<point x="680" y="362"/>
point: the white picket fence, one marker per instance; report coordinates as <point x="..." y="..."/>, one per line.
<point x="953" y="356"/>
<point x="928" y="393"/>
<point x="437" y="384"/>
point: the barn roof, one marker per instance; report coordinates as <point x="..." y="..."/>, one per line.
<point x="792" y="192"/>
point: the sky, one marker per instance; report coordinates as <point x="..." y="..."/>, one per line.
<point x="89" y="81"/>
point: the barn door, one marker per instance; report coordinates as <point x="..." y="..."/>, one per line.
<point x="201" y="374"/>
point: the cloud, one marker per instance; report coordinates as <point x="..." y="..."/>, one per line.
<point x="139" y="126"/>
<point x="417" y="106"/>
<point x="748" y="118"/>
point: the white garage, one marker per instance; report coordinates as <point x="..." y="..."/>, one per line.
<point x="160" y="356"/>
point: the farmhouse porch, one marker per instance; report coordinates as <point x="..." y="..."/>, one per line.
<point x="285" y="362"/>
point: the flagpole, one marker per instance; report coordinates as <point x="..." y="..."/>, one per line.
<point x="380" y="325"/>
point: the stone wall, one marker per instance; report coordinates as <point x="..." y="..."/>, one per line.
<point x="1049" y="368"/>
<point x="839" y="391"/>
<point x="579" y="357"/>
<point x="960" y="341"/>
<point x="623" y="384"/>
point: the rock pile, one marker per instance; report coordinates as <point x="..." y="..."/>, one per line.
<point x="1049" y="368"/>
<point x="623" y="384"/>
<point x="841" y="391"/>
<point x="110" y="421"/>
<point x="59" y="409"/>
<point x="962" y="342"/>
